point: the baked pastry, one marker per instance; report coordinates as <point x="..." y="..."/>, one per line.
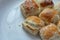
<point x="32" y="24"/>
<point x="45" y="3"/>
<point x="50" y="32"/>
<point x="29" y="8"/>
<point x="49" y="15"/>
<point x="34" y="7"/>
<point x="57" y="7"/>
<point x="58" y="25"/>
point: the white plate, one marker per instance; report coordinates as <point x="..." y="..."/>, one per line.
<point x="10" y="19"/>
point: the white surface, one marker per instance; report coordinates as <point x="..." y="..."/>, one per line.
<point x="10" y="19"/>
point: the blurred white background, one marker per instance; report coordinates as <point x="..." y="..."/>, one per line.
<point x="5" y="7"/>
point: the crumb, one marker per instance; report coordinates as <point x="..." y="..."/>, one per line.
<point x="19" y="25"/>
<point x="9" y="27"/>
